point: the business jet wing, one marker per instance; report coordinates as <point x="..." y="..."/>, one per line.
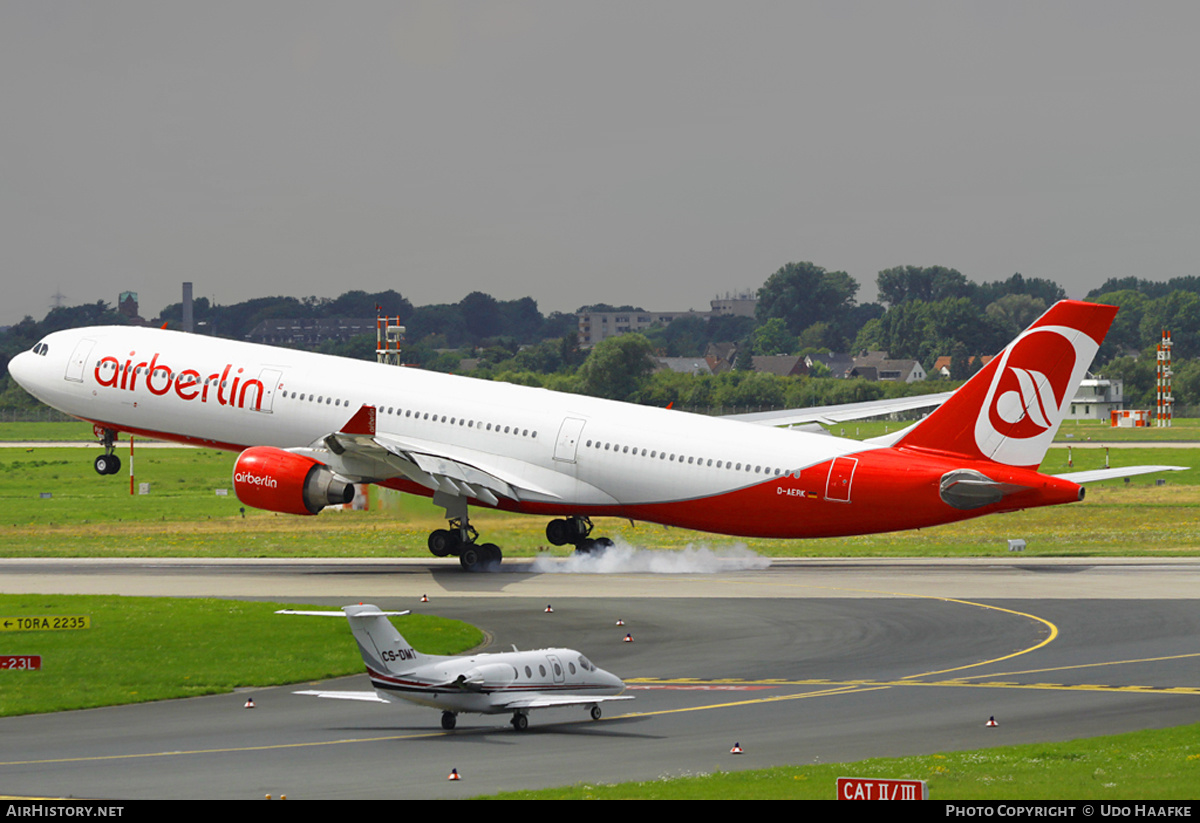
<point x="358" y="452"/>
<point x="842" y="413"/>
<point x="547" y="701"/>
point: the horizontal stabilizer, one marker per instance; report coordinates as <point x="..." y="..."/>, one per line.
<point x="343" y="614"/>
<point x="1112" y="474"/>
<point x="366" y="697"/>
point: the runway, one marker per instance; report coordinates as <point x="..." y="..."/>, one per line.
<point x="801" y="662"/>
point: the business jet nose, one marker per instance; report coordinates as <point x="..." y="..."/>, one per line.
<point x="614" y="682"/>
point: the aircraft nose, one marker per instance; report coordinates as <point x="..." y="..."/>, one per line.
<point x="21" y="368"/>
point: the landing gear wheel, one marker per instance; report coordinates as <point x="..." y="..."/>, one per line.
<point x="520" y="722"/>
<point x="585" y="546"/>
<point x="559" y="532"/>
<point x="107" y="464"/>
<point x="449" y="719"/>
<point x="470" y="556"/>
<point x="491" y="554"/>
<point x="595" y="712"/>
<point x="443" y="542"/>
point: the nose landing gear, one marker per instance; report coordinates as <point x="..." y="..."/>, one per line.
<point x="107" y="463"/>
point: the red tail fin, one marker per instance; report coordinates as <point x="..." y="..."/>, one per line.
<point x="1010" y="411"/>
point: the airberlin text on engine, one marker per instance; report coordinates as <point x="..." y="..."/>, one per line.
<point x="159" y="379"/>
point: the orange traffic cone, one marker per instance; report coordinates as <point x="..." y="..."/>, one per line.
<point x="549" y="609"/>
<point x="737" y="749"/>
<point x="454" y="775"/>
<point x="249" y="703"/>
<point x="628" y="638"/>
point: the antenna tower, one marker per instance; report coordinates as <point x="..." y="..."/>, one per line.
<point x="1166" y="401"/>
<point x="389" y="334"/>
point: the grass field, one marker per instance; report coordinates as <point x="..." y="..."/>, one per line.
<point x="1158" y="765"/>
<point x="53" y="504"/>
<point x="139" y="649"/>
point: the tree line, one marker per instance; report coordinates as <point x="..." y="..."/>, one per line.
<point x="921" y="313"/>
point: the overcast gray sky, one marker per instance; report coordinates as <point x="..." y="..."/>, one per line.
<point x="656" y="152"/>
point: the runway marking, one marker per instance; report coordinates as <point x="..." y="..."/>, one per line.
<point x="1049" y="626"/>
<point x="846" y="689"/>
<point x="228" y="750"/>
<point x="845" y="686"/>
<point x="1092" y="665"/>
<point x="1053" y="634"/>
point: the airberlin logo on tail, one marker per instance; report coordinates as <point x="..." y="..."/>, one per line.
<point x="1029" y="393"/>
<point x="160" y="379"/>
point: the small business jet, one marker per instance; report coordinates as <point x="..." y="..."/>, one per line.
<point x="308" y="426"/>
<point x="515" y="681"/>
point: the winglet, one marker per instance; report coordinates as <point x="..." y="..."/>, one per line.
<point x="363" y="422"/>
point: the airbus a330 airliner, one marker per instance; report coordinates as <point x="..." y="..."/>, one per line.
<point x="308" y="426"/>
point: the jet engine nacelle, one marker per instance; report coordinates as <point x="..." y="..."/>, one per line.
<point x="280" y="481"/>
<point x="487" y="676"/>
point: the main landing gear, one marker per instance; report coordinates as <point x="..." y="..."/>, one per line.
<point x="108" y="463"/>
<point x="576" y="531"/>
<point x="459" y="539"/>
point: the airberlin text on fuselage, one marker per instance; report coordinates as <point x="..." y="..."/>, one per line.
<point x="187" y="384"/>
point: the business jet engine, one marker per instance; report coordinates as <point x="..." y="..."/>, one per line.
<point x="280" y="481"/>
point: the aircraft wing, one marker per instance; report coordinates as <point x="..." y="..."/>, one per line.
<point x="549" y="701"/>
<point x="358" y="452"/>
<point x="1112" y="474"/>
<point x="368" y="697"/>
<point x="847" y="411"/>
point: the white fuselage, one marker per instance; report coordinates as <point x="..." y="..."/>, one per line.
<point x="494" y="683"/>
<point x="577" y="454"/>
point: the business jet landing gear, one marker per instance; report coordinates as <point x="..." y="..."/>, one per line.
<point x="108" y="463"/>
<point x="449" y="719"/>
<point x="520" y="721"/>
<point x="576" y="531"/>
<point x="459" y="539"/>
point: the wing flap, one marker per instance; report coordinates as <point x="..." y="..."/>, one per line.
<point x="360" y="453"/>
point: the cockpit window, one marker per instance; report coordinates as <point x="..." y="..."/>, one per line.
<point x="41" y="348"/>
